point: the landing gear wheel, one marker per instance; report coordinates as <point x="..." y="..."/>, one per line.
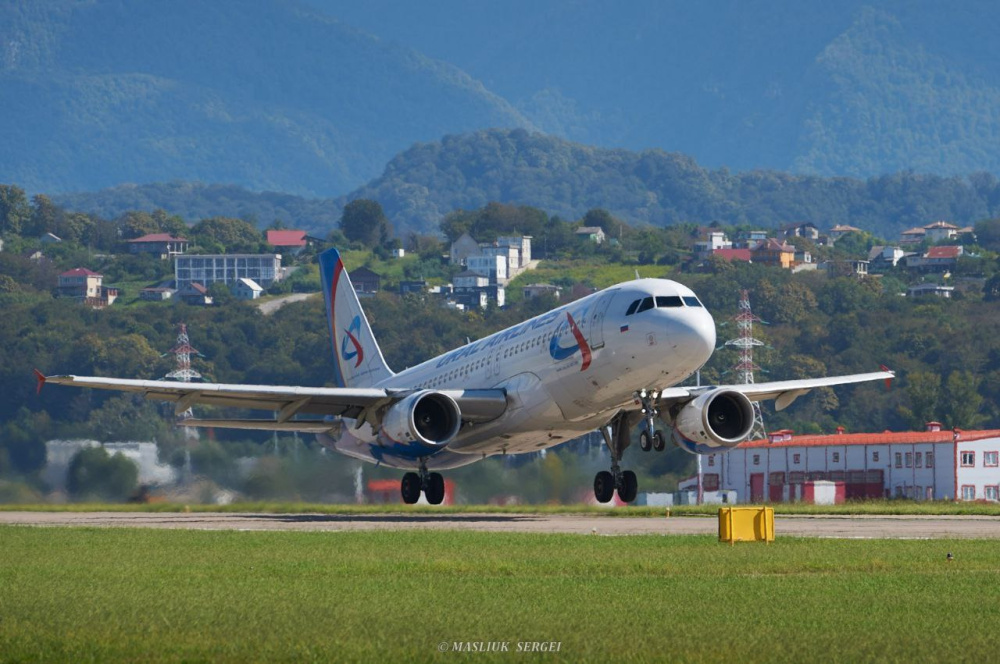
<point x="630" y="487"/>
<point x="604" y="486"/>
<point x="410" y="488"/>
<point x="435" y="489"/>
<point x="659" y="442"/>
<point x="645" y="443"/>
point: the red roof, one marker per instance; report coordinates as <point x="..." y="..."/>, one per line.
<point x="944" y="252"/>
<point x="773" y="245"/>
<point x="875" y="438"/>
<point x="733" y="254"/>
<point x="158" y="237"/>
<point x="286" y="238"/>
<point x="79" y="272"/>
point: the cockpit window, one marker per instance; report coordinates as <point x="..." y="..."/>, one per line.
<point x="632" y="307"/>
<point x="647" y="304"/>
<point x="691" y="301"/>
<point x="664" y="301"/>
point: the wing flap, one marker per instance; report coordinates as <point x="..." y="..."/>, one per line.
<point x="786" y="391"/>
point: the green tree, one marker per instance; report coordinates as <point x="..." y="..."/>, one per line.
<point x="234" y="235"/>
<point x="364" y="222"/>
<point x="137" y="224"/>
<point x="963" y="400"/>
<point x="93" y="473"/>
<point x="15" y="212"/>
<point x="924" y="391"/>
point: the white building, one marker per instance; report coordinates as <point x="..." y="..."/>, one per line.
<point x="491" y="266"/>
<point x="716" y="240"/>
<point x="523" y="245"/>
<point x="247" y="289"/>
<point x="920" y="465"/>
<point x="207" y="269"/>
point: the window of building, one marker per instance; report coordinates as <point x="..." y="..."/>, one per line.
<point x="710" y="482"/>
<point x="776" y="478"/>
<point x="991" y="492"/>
<point x="968" y="492"/>
<point x="756" y="459"/>
<point x="796" y="458"/>
<point x="990" y="459"/>
<point x="968" y="459"/>
<point x="909" y="459"/>
<point x="919" y="460"/>
<point x="899" y="459"/>
<point x="836" y="457"/>
<point x="930" y="459"/>
<point x="837" y="476"/>
<point x="796" y="477"/>
<point x="874" y="456"/>
<point x="711" y="459"/>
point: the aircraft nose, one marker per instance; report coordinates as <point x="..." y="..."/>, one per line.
<point x="698" y="336"/>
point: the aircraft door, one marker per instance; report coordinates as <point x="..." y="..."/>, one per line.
<point x="597" y="319"/>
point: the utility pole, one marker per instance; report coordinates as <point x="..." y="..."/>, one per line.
<point x="744" y="343"/>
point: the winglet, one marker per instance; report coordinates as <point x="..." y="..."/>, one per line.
<point x="888" y="381"/>
<point x="40" y="377"/>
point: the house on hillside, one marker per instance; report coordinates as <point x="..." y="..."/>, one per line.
<point x="86" y="286"/>
<point x="807" y="230"/>
<point x="247" y="289"/>
<point x="462" y="248"/>
<point x="882" y="258"/>
<point x="366" y="282"/>
<point x="536" y="290"/>
<point x="936" y="259"/>
<point x="194" y="294"/>
<point x="292" y="242"/>
<point x="940" y="231"/>
<point x="930" y="289"/>
<point x="772" y="252"/>
<point x="156" y="294"/>
<point x="163" y="245"/>
<point x="845" y="268"/>
<point x="492" y="266"/>
<point x="840" y="230"/>
<point x="912" y="236"/>
<point x="594" y="234"/>
<point x="715" y="241"/>
<point x="412" y="286"/>
<point x="207" y="269"/>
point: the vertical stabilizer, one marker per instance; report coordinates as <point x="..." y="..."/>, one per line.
<point x="357" y="359"/>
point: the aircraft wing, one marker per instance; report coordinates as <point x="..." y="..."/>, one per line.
<point x="356" y="403"/>
<point x="784" y="392"/>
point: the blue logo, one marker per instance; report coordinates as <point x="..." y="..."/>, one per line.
<point x="350" y="334"/>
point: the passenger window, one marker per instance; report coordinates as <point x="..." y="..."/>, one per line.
<point x="664" y="301"/>
<point x="632" y="307"/>
<point x="646" y="305"/>
<point x="691" y="301"/>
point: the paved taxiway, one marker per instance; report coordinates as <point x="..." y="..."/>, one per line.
<point x="869" y="527"/>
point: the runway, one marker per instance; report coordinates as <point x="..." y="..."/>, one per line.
<point x="863" y="527"/>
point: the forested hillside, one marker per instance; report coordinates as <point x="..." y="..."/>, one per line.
<point x="853" y="87"/>
<point x="267" y="94"/>
<point x="428" y="181"/>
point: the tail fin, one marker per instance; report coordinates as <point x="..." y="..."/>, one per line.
<point x="357" y="360"/>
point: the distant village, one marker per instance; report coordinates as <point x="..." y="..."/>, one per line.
<point x="486" y="269"/>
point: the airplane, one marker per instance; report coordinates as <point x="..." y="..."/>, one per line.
<point x="611" y="361"/>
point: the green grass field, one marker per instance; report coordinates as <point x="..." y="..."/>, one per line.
<point x="875" y="507"/>
<point x="71" y="594"/>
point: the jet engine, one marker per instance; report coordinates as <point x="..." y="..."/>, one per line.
<point x="716" y="419"/>
<point x="426" y="417"/>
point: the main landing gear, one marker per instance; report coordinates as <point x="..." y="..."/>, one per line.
<point x="606" y="483"/>
<point x="649" y="437"/>
<point x="432" y="484"/>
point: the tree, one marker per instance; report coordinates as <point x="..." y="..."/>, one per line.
<point x="364" y="222"/>
<point x="235" y="235"/>
<point x="14" y="209"/>
<point x="991" y="290"/>
<point x="963" y="400"/>
<point x="46" y="217"/>
<point x="137" y="224"/>
<point x="93" y="473"/>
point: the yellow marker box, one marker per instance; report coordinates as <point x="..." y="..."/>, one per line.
<point x="746" y="524"/>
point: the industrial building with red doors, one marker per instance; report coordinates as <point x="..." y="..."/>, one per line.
<point x="918" y="465"/>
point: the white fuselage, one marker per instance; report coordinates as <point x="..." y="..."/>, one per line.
<point x="565" y="372"/>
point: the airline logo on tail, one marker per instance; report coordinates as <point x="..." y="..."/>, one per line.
<point x="560" y="353"/>
<point x="355" y="352"/>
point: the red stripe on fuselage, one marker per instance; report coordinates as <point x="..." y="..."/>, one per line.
<point x="581" y="342"/>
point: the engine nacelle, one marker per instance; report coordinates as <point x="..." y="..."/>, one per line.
<point x="716" y="419"/>
<point x="426" y="417"/>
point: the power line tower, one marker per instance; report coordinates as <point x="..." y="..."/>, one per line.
<point x="745" y="343"/>
<point x="183" y="351"/>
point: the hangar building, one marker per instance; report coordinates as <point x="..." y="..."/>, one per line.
<point x="920" y="465"/>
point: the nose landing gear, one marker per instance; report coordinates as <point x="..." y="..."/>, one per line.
<point x="649" y="437"/>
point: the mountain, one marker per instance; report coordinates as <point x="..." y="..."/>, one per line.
<point x="422" y="184"/>
<point x="267" y="94"/>
<point x="853" y="87"/>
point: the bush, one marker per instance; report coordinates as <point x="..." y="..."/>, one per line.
<point x="93" y="473"/>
